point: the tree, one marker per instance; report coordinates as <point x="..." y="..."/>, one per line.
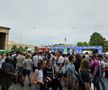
<point x="36" y="49"/>
<point x="14" y="48"/>
<point x="20" y="49"/>
<point x="82" y="44"/>
<point x="105" y="48"/>
<point x="25" y="48"/>
<point x="96" y="39"/>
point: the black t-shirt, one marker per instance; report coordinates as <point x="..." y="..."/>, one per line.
<point x="48" y="72"/>
<point x="77" y="64"/>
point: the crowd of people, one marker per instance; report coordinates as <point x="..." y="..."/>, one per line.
<point x="53" y="70"/>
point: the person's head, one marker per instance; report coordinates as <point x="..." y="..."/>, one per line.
<point x="40" y="52"/>
<point x="8" y="59"/>
<point x="44" y="63"/>
<point x="58" y="54"/>
<point x="40" y="64"/>
<point x="83" y="57"/>
<point x="2" y="56"/>
<point x="99" y="57"/>
<point x="28" y="56"/>
<point x="78" y="56"/>
<point x="71" y="59"/>
<point x="87" y="53"/>
<point x="48" y="56"/>
<point x="84" y="64"/>
<point x="49" y="63"/>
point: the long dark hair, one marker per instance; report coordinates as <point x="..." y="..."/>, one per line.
<point x="40" y="62"/>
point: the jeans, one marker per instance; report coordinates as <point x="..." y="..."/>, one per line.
<point x="97" y="81"/>
<point x="102" y="83"/>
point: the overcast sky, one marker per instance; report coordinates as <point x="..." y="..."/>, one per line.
<point x="42" y="22"/>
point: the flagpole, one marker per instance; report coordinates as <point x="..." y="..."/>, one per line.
<point x="65" y="41"/>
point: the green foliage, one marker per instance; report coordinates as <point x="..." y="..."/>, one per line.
<point x="82" y="44"/>
<point x="96" y="39"/>
<point x="36" y="49"/>
<point x="14" y="48"/>
<point x="105" y="48"/>
<point x="25" y="48"/>
<point x="20" y="49"/>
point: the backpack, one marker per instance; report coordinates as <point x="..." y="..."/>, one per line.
<point x="7" y="78"/>
<point x="71" y="82"/>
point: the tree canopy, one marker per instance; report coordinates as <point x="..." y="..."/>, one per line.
<point x="82" y="44"/>
<point x="96" y="39"/>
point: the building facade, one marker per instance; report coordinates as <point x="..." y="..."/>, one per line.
<point x="4" y="37"/>
<point x="12" y="43"/>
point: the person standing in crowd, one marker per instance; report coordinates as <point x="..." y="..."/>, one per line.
<point x="102" y="70"/>
<point x="59" y="64"/>
<point x="9" y="71"/>
<point x="87" y="55"/>
<point x="84" y="77"/>
<point x="14" y="60"/>
<point x="2" y="60"/>
<point x="36" y="58"/>
<point x="71" y="75"/>
<point x="77" y="62"/>
<point x="96" y="73"/>
<point x="106" y="66"/>
<point x="27" y="68"/>
<point x="19" y="67"/>
<point x="51" y="80"/>
<point x="38" y="77"/>
<point x="106" y="69"/>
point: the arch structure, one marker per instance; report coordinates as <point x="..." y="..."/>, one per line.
<point x="79" y="49"/>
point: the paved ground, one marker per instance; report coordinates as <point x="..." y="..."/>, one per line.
<point x="18" y="87"/>
<point x="26" y="87"/>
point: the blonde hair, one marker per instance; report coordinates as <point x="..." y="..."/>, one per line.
<point x="84" y="64"/>
<point x="28" y="56"/>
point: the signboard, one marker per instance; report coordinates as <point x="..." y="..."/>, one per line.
<point x="65" y="51"/>
<point x="79" y="50"/>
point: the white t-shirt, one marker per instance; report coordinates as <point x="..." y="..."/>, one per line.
<point x="27" y="64"/>
<point x="87" y="56"/>
<point x="20" y="59"/>
<point x="36" y="58"/>
<point x="40" y="76"/>
<point x="102" y="63"/>
<point x="60" y="60"/>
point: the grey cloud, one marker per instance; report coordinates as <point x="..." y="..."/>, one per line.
<point x="50" y="21"/>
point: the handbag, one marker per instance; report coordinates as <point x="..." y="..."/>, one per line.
<point x="71" y="83"/>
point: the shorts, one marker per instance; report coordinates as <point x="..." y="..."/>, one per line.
<point x="19" y="69"/>
<point x="26" y="72"/>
